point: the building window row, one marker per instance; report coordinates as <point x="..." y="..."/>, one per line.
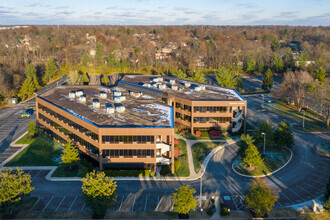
<point x="212" y="119"/>
<point x="127" y="139"/>
<point x="76" y="126"/>
<point x="183" y="117"/>
<point x="183" y="106"/>
<point x="128" y="153"/>
<point x="223" y="109"/>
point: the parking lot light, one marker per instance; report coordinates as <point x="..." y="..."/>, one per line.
<point x="264" y="134"/>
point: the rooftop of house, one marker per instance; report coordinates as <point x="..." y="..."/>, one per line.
<point x="119" y="107"/>
<point x="184" y="88"/>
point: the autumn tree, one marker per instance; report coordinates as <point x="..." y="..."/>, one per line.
<point x="183" y="199"/>
<point x="14" y="186"/>
<point x="70" y="155"/>
<point x="268" y="80"/>
<point x="284" y="135"/>
<point x="99" y="192"/>
<point x="50" y="72"/>
<point x="226" y="77"/>
<point x="260" y="198"/>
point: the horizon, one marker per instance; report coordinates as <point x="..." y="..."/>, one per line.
<point x="166" y="13"/>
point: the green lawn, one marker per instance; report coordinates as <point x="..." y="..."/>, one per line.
<point x="272" y="161"/>
<point x="313" y="122"/>
<point x="200" y="151"/>
<point x="83" y="167"/>
<point x="204" y="137"/>
<point x="43" y="151"/>
<point x="25" y="140"/>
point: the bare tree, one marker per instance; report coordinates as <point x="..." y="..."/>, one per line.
<point x="75" y="78"/>
<point x="114" y="78"/>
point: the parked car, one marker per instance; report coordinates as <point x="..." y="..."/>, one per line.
<point x="27" y="113"/>
<point x="267" y="99"/>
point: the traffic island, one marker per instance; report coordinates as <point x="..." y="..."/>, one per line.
<point x="324" y="148"/>
<point x="273" y="161"/>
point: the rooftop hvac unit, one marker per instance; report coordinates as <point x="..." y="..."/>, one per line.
<point x="147" y="85"/>
<point x="122" y="98"/>
<point x="202" y="87"/>
<point x="160" y="79"/>
<point x="187" y="84"/>
<point x="72" y="95"/>
<point x="110" y="110"/>
<point x="155" y="79"/>
<point x="96" y="103"/>
<point x="82" y="99"/>
<point x="116" y="93"/>
<point x="198" y="89"/>
<point x="117" y="99"/>
<point x="161" y="86"/>
<point x="103" y="95"/>
<point x="172" y="81"/>
<point x="79" y="93"/>
<point x="175" y="88"/>
<point x="135" y="94"/>
<point x="120" y="109"/>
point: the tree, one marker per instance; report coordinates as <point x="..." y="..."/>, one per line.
<point x="98" y="54"/>
<point x="32" y="129"/>
<point x="261" y="66"/>
<point x="284" y="135"/>
<point x="320" y="74"/>
<point x="198" y="76"/>
<point x="99" y="192"/>
<point x="268" y="80"/>
<point x="288" y="59"/>
<point x="85" y="59"/>
<point x="70" y="155"/>
<point x="251" y="65"/>
<point x="180" y="74"/>
<point x="260" y="197"/>
<point x="14" y="186"/>
<point x="85" y="79"/>
<point x="183" y="199"/>
<point x="252" y="156"/>
<point x="105" y="79"/>
<point x="50" y="72"/>
<point x="245" y="141"/>
<point x="275" y="45"/>
<point x="75" y="78"/>
<point x="227" y="78"/>
<point x="302" y="59"/>
<point x="266" y="128"/>
<point x="30" y="83"/>
<point x="278" y="64"/>
<point x="112" y="62"/>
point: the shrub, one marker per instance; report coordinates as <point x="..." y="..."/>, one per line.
<point x="152" y="174"/>
<point x="215" y="133"/>
<point x="204" y="134"/>
<point x="224" y="211"/>
<point x="327" y="205"/>
<point x="209" y="212"/>
<point x="146" y="173"/>
<point x="176" y="142"/>
<point x="165" y="170"/>
<point x="177" y="165"/>
<point x="198" y="133"/>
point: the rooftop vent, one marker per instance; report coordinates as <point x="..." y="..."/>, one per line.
<point x="96" y="103"/>
<point x="122" y="98"/>
<point x="110" y="110"/>
<point x="229" y="97"/>
<point x="155" y="79"/>
<point x="175" y="88"/>
<point x="82" y="99"/>
<point x="79" y="93"/>
<point x="161" y="86"/>
<point x="116" y="93"/>
<point x="135" y="94"/>
<point x="147" y="85"/>
<point x="202" y="87"/>
<point x="120" y="109"/>
<point x="172" y="81"/>
<point x="117" y="99"/>
<point x="160" y="79"/>
<point x="197" y="89"/>
<point x="103" y="95"/>
<point x="187" y="84"/>
<point x="72" y="95"/>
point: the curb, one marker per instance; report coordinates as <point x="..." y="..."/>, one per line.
<point x="18" y="145"/>
<point x="319" y="151"/>
<point x="269" y="174"/>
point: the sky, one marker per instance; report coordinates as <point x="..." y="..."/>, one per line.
<point x="165" y="12"/>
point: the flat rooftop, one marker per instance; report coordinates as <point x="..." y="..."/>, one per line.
<point x="142" y="111"/>
<point x="211" y="92"/>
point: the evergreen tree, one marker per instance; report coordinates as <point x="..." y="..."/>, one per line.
<point x="32" y="129"/>
<point x="252" y="156"/>
<point x="320" y="74"/>
<point x="70" y="155"/>
<point x="278" y="64"/>
<point x="85" y="78"/>
<point x="180" y="74"/>
<point x="288" y="59"/>
<point x="268" y="80"/>
<point x="227" y="78"/>
<point x="85" y="59"/>
<point x="251" y="65"/>
<point x="99" y="55"/>
<point x="99" y="192"/>
<point x="105" y="79"/>
<point x="266" y="128"/>
<point x="30" y="83"/>
<point x="261" y="66"/>
<point x="275" y="45"/>
<point x="112" y="62"/>
<point x="302" y="59"/>
<point x="260" y="198"/>
<point x="284" y="135"/>
<point x="245" y="141"/>
<point x="50" y="72"/>
<point x="14" y="186"/>
<point x="183" y="199"/>
<point x="198" y="76"/>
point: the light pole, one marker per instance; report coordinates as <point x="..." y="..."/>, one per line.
<point x="264" y="134"/>
<point x="200" y="192"/>
<point x="303" y="118"/>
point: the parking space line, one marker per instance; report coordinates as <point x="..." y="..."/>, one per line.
<point x="35" y="204"/>
<point x="296" y="194"/>
<point x="36" y="175"/>
<point x="145" y="205"/>
<point x="73" y="203"/>
<point x="133" y="203"/>
<point x="122" y="199"/>
<point x="319" y="171"/>
<point x="319" y="177"/>
<point x="287" y="198"/>
<point x="158" y="203"/>
<point x="59" y="204"/>
<point x="83" y="207"/>
<point x="48" y="204"/>
<point x="304" y="190"/>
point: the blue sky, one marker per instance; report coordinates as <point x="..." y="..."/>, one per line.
<point x="166" y="12"/>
